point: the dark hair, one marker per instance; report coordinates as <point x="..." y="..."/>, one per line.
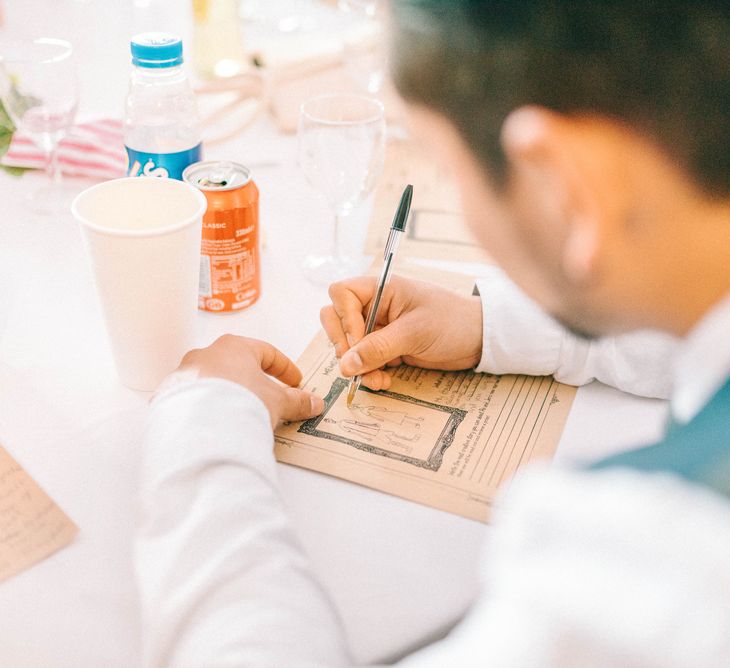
<point x="662" y="68"/>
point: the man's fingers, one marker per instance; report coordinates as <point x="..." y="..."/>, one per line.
<point x="377" y="380"/>
<point x="333" y="328"/>
<point x="275" y="363"/>
<point x="378" y="348"/>
<point x="299" y="405"/>
<point x="349" y="299"/>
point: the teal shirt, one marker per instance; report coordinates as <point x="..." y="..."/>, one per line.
<point x="698" y="451"/>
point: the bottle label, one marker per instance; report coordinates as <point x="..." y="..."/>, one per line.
<point x="161" y="165"/>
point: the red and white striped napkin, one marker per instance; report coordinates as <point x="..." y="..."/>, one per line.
<point x="94" y="149"/>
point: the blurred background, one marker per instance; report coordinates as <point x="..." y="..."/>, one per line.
<point x="280" y="50"/>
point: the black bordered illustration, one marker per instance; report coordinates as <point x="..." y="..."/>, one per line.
<point x="432" y="453"/>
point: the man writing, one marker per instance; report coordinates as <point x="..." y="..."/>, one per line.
<point x="590" y="145"/>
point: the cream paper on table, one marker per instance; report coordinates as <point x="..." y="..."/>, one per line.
<point x="32" y="526"/>
<point x="405" y="268"/>
<point x="436" y="227"/>
<point x="446" y="439"/>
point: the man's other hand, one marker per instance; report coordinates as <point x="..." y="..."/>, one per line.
<point x="257" y="366"/>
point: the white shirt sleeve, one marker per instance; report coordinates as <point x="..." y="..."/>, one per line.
<point x="223" y="580"/>
<point x="584" y="569"/>
<point x="521" y="338"/>
<point x="599" y="569"/>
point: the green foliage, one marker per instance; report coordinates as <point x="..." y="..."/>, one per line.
<point x="7" y="128"/>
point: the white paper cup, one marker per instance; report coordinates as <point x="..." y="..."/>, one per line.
<point x="143" y="237"/>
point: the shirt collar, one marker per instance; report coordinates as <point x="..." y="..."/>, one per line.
<point x="703" y="364"/>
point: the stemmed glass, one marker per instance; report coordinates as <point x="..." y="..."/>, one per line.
<point x="341" y="152"/>
<point x="364" y="49"/>
<point x="40" y="92"/>
<point x="289" y="17"/>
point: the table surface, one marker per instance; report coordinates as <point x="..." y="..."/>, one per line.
<point x="399" y="574"/>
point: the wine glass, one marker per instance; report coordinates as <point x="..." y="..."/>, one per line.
<point x="283" y="17"/>
<point x="341" y="152"/>
<point x="39" y="90"/>
<point x="364" y="49"/>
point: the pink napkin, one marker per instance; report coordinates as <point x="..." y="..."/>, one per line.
<point x="94" y="149"/>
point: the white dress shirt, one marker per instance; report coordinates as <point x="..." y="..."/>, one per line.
<point x="610" y="568"/>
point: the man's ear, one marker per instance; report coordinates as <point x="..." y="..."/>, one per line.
<point x="580" y="252"/>
<point x="551" y="148"/>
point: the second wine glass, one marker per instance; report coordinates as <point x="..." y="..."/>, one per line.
<point x="341" y="152"/>
<point x="40" y="93"/>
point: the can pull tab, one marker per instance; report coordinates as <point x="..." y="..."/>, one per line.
<point x="221" y="177"/>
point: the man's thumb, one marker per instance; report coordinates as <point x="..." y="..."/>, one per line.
<point x="376" y="349"/>
<point x="300" y="405"/>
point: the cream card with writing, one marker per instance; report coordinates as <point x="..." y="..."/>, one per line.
<point x="32" y="526"/>
<point x="444" y="439"/>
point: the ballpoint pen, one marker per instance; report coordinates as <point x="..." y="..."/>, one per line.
<point x="391" y="246"/>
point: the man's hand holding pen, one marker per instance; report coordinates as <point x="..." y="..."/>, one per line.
<point x="418" y="323"/>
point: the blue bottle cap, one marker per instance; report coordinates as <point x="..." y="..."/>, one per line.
<point x="156" y="49"/>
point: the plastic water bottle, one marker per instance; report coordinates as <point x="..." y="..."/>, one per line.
<point x="161" y="121"/>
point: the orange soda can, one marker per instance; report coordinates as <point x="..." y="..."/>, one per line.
<point x="230" y="276"/>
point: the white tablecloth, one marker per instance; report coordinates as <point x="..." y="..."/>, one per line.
<point x="399" y="572"/>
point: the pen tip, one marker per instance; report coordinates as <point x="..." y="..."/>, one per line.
<point x="351" y="394"/>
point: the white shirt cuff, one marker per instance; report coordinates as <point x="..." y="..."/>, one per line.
<point x="518" y="336"/>
<point x="220" y="413"/>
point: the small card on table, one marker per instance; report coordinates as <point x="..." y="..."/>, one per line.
<point x="32" y="526"/>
